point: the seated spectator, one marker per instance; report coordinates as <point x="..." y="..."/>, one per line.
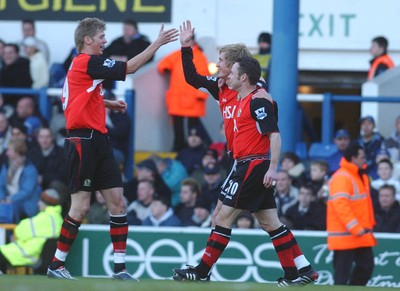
<point x="306" y="214"/>
<point x="141" y="206"/>
<point x="14" y="73"/>
<point x="290" y="162"/>
<point x="31" y="234"/>
<point x="371" y="142"/>
<point x="190" y="190"/>
<point x="221" y="147"/>
<point x="342" y="141"/>
<point x="146" y="170"/>
<point x="48" y="159"/>
<point x="191" y="155"/>
<point x="319" y="177"/>
<point x="26" y="113"/>
<point x="29" y="30"/>
<point x="98" y="212"/>
<point x="5" y="136"/>
<point x="118" y="125"/>
<point x="38" y="66"/>
<point x="172" y="172"/>
<point x="213" y="181"/>
<point x="18" y="181"/>
<point x="392" y="143"/>
<point x="385" y="176"/>
<point x="387" y="215"/>
<point x="245" y="220"/>
<point x="202" y="212"/>
<point x="286" y="194"/>
<point x="209" y="156"/>
<point x="161" y="213"/>
<point x="6" y="109"/>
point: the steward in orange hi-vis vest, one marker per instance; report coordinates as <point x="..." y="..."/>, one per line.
<point x="350" y="215"/>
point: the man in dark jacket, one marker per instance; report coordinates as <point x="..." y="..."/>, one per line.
<point x="387" y="215"/>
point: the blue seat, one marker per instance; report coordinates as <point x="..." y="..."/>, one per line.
<point x="6" y="213"/>
<point x="301" y="150"/>
<point x="320" y="151"/>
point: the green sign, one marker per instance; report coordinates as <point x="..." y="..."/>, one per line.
<point x="73" y="10"/>
<point x="250" y="255"/>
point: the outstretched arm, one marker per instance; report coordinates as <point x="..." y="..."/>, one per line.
<point x="164" y="37"/>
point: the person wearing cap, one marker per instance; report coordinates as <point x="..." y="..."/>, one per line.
<point x="30" y="234"/>
<point x="209" y="156"/>
<point x="371" y="141"/>
<point x="191" y="155"/>
<point x="342" y="141"/>
<point x="19" y="181"/>
<point x="38" y="66"/>
<point x="202" y="212"/>
<point x="211" y="187"/>
<point x="161" y="213"/>
<point x="264" y="54"/>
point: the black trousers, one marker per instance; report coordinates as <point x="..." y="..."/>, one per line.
<point x="3" y="263"/>
<point x="353" y="267"/>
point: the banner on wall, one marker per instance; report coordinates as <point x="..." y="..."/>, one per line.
<point x="73" y="10"/>
<point x="249" y="257"/>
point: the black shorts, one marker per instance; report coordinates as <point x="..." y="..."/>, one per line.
<point x="90" y="161"/>
<point x="245" y="189"/>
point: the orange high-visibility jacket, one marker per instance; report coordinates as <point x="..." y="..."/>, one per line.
<point x="349" y="209"/>
<point x="181" y="98"/>
<point x="381" y="60"/>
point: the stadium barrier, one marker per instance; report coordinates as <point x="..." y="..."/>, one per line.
<point x="249" y="257"/>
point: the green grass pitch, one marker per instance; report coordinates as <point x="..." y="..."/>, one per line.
<point x="42" y="283"/>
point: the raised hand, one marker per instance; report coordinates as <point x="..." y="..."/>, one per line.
<point x="167" y="36"/>
<point x="186" y="33"/>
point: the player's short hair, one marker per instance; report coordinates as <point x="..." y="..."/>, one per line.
<point x="234" y="52"/>
<point x="251" y="67"/>
<point x="87" y="27"/>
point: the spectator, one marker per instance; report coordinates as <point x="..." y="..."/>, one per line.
<point x="264" y="54"/>
<point x="29" y="30"/>
<point x="209" y="156"/>
<point x="172" y="172"/>
<point x="211" y="188"/>
<point x="30" y="234"/>
<point x="202" y="212"/>
<point x="2" y="44"/>
<point x="342" y="141"/>
<point x="191" y="155"/>
<point x="387" y="215"/>
<point x="381" y="61"/>
<point x="18" y="181"/>
<point x="245" y="220"/>
<point x="127" y="46"/>
<point x="392" y="145"/>
<point x="286" y="195"/>
<point x="7" y="109"/>
<point x="183" y="101"/>
<point x="222" y="150"/>
<point x="48" y="159"/>
<point x="98" y="212"/>
<point x="290" y="162"/>
<point x="26" y="113"/>
<point x="350" y="220"/>
<point x="161" y="213"/>
<point x="190" y="190"/>
<point x="146" y="170"/>
<point x="319" y="177"/>
<point x="118" y="125"/>
<point x="38" y="66"/>
<point x="141" y="206"/>
<point x="307" y="214"/>
<point x="5" y="136"/>
<point x="15" y="72"/>
<point x="385" y="176"/>
<point x="67" y="62"/>
<point x="371" y="142"/>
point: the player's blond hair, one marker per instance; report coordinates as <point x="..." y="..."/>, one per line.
<point x="87" y="27"/>
<point x="234" y="52"/>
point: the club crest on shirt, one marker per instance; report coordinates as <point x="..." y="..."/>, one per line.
<point x="260" y="113"/>
<point x="109" y="63"/>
